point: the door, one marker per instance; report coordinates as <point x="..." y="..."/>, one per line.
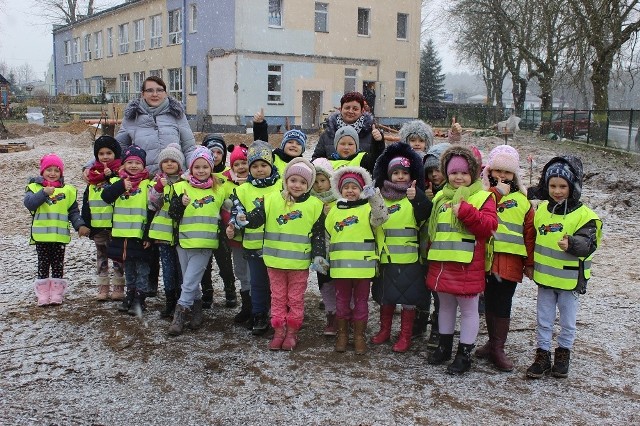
<point x="311" y="109"/>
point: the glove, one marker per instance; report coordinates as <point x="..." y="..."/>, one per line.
<point x="320" y="265"/>
<point x="241" y="223"/>
<point x="368" y="192"/>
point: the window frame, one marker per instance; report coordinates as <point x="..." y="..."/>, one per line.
<point x="76" y="50"/>
<point x="138" y="35"/>
<point x="401" y="79"/>
<point x="277" y="74"/>
<point x="155" y="37"/>
<point x="125" y="82"/>
<point x="274" y="19"/>
<point x="68" y="52"/>
<point x="175" y="84"/>
<point x="193" y="18"/>
<point x="123" y="38"/>
<point x="138" y="79"/>
<point x="406" y="26"/>
<point x="193" y="80"/>
<point x="109" y="42"/>
<point x="86" y="47"/>
<point x="350" y="81"/>
<point x="175" y="35"/>
<point x="98" y="42"/>
<point x="368" y="22"/>
<point x="319" y="15"/>
<point x="156" y="73"/>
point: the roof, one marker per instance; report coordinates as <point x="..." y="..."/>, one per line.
<point x="4" y="80"/>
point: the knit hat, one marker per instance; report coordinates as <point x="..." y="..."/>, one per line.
<point x="136" y="153"/>
<point x="417" y="128"/>
<point x="347" y="131"/>
<point x="503" y="157"/>
<point x="216" y="141"/>
<point x="351" y="177"/>
<point x="237" y="153"/>
<point x="260" y="150"/>
<point x="432" y="159"/>
<point x="294" y="135"/>
<point x="476" y="153"/>
<point x="456" y="164"/>
<point x="200" y="152"/>
<point x="398" y="163"/>
<point x="301" y="167"/>
<point x="173" y="151"/>
<point x="562" y="170"/>
<point x="51" y="160"/>
<point x="106" y="141"/>
<point x="323" y="166"/>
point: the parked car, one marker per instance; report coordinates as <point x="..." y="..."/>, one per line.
<point x="568" y="124"/>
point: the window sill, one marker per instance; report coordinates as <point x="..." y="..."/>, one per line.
<point x="364" y="35"/>
<point x="276" y="27"/>
<point x="275" y="103"/>
<point x="400" y="106"/>
<point x="193" y="94"/>
<point x="323" y="32"/>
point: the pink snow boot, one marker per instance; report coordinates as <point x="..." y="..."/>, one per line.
<point x="43" y="289"/>
<point x="58" y="289"/>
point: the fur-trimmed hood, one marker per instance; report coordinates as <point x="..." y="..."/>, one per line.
<point x="462" y="151"/>
<point x="134" y="108"/>
<point x="541" y="191"/>
<point x="337" y="175"/>
<point x="417" y="127"/>
<point x="398" y="149"/>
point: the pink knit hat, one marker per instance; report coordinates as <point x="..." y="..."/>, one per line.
<point x="457" y="164"/>
<point x="301" y="167"/>
<point x="503" y="157"/>
<point x="237" y="153"/>
<point x="51" y="160"/>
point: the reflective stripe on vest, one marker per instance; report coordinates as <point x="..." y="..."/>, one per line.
<point x="352" y="252"/>
<point x="354" y="162"/>
<point x="287" y="236"/>
<point x="101" y="212"/>
<point x="398" y="236"/>
<point x="199" y="225"/>
<point x="162" y="226"/>
<point x="554" y="267"/>
<point x="50" y="223"/>
<point x="130" y="213"/>
<point x="509" y="236"/>
<point x="252" y="197"/>
<point x="451" y="244"/>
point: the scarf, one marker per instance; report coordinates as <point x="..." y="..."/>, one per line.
<point x="134" y="179"/>
<point x="453" y="196"/>
<point x="53" y="183"/>
<point x="154" y="111"/>
<point x="230" y="175"/>
<point x="265" y="182"/>
<point x="358" y="124"/>
<point x="96" y="172"/>
<point x="197" y="183"/>
<point x="394" y="191"/>
<point x="326" y="196"/>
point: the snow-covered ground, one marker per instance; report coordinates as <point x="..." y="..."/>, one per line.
<point x="86" y="363"/>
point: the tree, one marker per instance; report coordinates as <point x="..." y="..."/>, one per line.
<point x="62" y="12"/>
<point x="431" y="76"/>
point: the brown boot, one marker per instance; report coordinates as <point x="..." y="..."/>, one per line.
<point x="498" y="357"/>
<point x="343" y="335"/>
<point x="486" y="350"/>
<point x="103" y="289"/>
<point x="118" y="288"/>
<point x="179" y="319"/>
<point x="359" y="339"/>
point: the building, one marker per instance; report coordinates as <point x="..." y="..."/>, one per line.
<point x="227" y="59"/>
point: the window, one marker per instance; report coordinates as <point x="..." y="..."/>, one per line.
<point x="156" y="31"/>
<point x="155" y="73"/>
<point x="99" y="83"/>
<point x="125" y="84"/>
<point x="401" y="86"/>
<point x="322" y="15"/>
<point x="403" y="23"/>
<point x="138" y="79"/>
<point x="138" y="35"/>
<point x="67" y="86"/>
<point x="363" y="21"/>
<point x="193" y="18"/>
<point x="86" y="48"/>
<point x="193" y="71"/>
<point x="87" y="86"/>
<point x="98" y="44"/>
<point x="109" y="41"/>
<point x="123" y="36"/>
<point x="77" y="87"/>
<point x="67" y="52"/>
<point x="175" y="27"/>
<point x="175" y="83"/>
<point x="275" y="13"/>
<point x="350" y="75"/>
<point x="274" y="84"/>
<point x="76" y="50"/>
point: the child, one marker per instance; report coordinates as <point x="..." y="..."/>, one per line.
<point x="352" y="250"/>
<point x="322" y="190"/>
<point x="347" y="145"/>
<point x="513" y="246"/>
<point x="163" y="228"/>
<point x="568" y="233"/>
<point x="237" y="175"/>
<point x="293" y="236"/>
<point x="399" y="175"/>
<point x="196" y="207"/>
<point x="463" y="218"/>
<point x="131" y="221"/>
<point x="418" y="135"/>
<point x="98" y="215"/>
<point x="434" y="178"/>
<point x="216" y="144"/>
<point x="263" y="179"/>
<point x="53" y="205"/>
<point x="293" y="144"/>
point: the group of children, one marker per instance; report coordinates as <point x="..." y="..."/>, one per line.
<point x="429" y="222"/>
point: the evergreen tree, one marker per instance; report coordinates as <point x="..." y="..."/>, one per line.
<point x="431" y="77"/>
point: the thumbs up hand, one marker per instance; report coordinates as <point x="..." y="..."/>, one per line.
<point x="564" y="242"/>
<point x="375" y="133"/>
<point x="258" y="117"/>
<point x="127" y="184"/>
<point x="185" y="198"/>
<point x="411" y="191"/>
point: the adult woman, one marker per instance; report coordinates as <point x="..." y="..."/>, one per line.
<point x="351" y="113"/>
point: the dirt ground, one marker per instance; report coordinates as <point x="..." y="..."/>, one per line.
<point x="84" y="363"/>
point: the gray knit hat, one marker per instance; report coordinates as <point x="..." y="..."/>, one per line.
<point x="347" y="131"/>
<point x="173" y="151"/>
<point x="418" y="128"/>
<point x="432" y="159"/>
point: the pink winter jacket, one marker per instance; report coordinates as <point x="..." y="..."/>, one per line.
<point x="462" y="279"/>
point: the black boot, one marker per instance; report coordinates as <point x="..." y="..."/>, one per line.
<point x="420" y="324"/>
<point x="443" y="351"/>
<point x="260" y="324"/>
<point x="462" y="362"/>
<point x="170" y="305"/>
<point x="561" y="363"/>
<point x="231" y="300"/>
<point x="127" y="301"/>
<point x="245" y="311"/>
<point x="138" y="305"/>
<point x="207" y="299"/>
<point x="541" y="365"/>
<point x="434" y="336"/>
<point x="196" y="315"/>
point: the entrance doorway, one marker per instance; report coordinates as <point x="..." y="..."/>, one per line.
<point x="311" y="109"/>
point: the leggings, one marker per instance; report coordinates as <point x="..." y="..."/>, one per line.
<point x="50" y="256"/>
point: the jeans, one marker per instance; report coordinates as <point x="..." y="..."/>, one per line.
<point x="171" y="273"/>
<point x="136" y="275"/>
<point x="193" y="262"/>
<point x="567" y="303"/>
<point x="241" y="268"/>
<point x="259" y="285"/>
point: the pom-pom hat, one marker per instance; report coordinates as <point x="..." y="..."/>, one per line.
<point x="294" y="135"/>
<point x="173" y="151"/>
<point x="134" y="152"/>
<point x="301" y="167"/>
<point x="50" y="160"/>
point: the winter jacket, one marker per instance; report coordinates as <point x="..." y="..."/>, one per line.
<point x="325" y="147"/>
<point x="154" y="132"/>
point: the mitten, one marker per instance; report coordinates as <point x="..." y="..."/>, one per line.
<point x="320" y="265"/>
<point x="368" y="192"/>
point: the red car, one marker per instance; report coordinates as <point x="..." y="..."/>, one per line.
<point x="568" y="124"/>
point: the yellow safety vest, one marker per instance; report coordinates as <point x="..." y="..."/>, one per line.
<point x="162" y="226"/>
<point x="279" y="164"/>
<point x="451" y="244"/>
<point x="554" y="267"/>
<point x="355" y="162"/>
<point x="198" y="227"/>
<point x="397" y="238"/>
<point x="130" y="212"/>
<point x="509" y="237"/>
<point x="50" y="222"/>
<point x="251" y="197"/>
<point x="101" y="212"/>
<point x="352" y="252"/>
<point x="287" y="231"/>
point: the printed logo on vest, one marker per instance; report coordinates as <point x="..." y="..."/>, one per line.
<point x="553" y="227"/>
<point x="55" y="199"/>
<point x="351" y="220"/>
<point x="509" y="204"/>
<point x="258" y="202"/>
<point x="202" y="201"/>
<point x="444" y="207"/>
<point x="284" y="218"/>
<point x="126" y="195"/>
<point x="394" y="208"/>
